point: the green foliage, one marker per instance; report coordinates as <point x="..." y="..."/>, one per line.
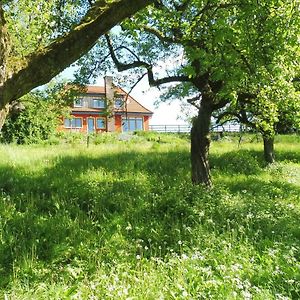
<point x="34" y="124"/>
<point x="39" y="118"/>
<point x="288" y="112"/>
<point x="121" y="220"/>
<point x="34" y="23"/>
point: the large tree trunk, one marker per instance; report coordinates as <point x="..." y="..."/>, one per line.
<point x="269" y="149"/>
<point x="4" y="52"/>
<point x="200" y="142"/>
<point x="4" y="47"/>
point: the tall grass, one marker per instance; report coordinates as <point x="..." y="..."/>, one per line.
<point x="121" y="220"/>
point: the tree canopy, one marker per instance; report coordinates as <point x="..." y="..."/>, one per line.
<point x="220" y="54"/>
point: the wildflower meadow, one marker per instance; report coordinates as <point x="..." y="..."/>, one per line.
<point x="120" y="219"/>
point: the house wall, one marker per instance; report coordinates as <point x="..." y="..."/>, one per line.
<point x="84" y="128"/>
<point x="118" y="123"/>
<point x="146" y="123"/>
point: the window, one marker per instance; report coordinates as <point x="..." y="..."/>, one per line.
<point x="132" y="124"/>
<point x="99" y="103"/>
<point x="78" y="102"/>
<point x="73" y="123"/>
<point x="119" y="103"/>
<point x="101" y="124"/>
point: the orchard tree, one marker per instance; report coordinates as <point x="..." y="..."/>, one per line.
<point x="39" y="39"/>
<point x="216" y="52"/>
<point x="275" y="109"/>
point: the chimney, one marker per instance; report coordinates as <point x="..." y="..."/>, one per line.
<point x="109" y="94"/>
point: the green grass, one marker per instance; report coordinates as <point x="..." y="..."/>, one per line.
<point x="121" y="220"/>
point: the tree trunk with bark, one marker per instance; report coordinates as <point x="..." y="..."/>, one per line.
<point x="200" y="142"/>
<point x="3" y="114"/>
<point x="269" y="149"/>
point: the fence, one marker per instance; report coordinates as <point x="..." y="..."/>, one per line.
<point x="187" y="128"/>
<point x="170" y="128"/>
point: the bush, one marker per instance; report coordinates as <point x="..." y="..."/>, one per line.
<point x="35" y="123"/>
<point x="39" y="116"/>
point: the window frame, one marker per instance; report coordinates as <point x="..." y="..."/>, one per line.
<point x="127" y="121"/>
<point x="121" y="100"/>
<point x="70" y="120"/>
<point x="94" y="100"/>
<point x="104" y="122"/>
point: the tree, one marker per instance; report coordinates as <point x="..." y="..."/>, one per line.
<point x="228" y="52"/>
<point x="37" y="45"/>
<point x="36" y="116"/>
<point x="274" y="109"/>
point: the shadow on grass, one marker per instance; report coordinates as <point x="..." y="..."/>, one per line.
<point x="287" y="155"/>
<point x="86" y="208"/>
<point x="247" y="162"/>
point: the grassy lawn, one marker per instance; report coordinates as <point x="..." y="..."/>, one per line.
<point x="121" y="220"/>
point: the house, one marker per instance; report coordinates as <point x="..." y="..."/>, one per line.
<point x="106" y="109"/>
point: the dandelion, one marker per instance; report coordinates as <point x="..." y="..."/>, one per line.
<point x="179" y="242"/>
<point x="249" y="215"/>
<point x="138" y="257"/>
<point x="185" y="293"/>
<point x="247" y="295"/>
<point x="256" y="289"/>
<point x="128" y="227"/>
<point x="221" y="268"/>
<point x="234" y="294"/>
<point x="201" y="214"/>
<point x="236" y="267"/>
<point x="184" y="256"/>
<point x="281" y="297"/>
<point x="111" y="288"/>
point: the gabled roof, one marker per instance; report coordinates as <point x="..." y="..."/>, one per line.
<point x="131" y="106"/>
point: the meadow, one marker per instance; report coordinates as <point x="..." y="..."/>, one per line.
<point x="120" y="219"/>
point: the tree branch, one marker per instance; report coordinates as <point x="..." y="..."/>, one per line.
<point x="160" y="35"/>
<point x="220" y="104"/>
<point x="193" y="100"/>
<point x="47" y="62"/>
<point x="141" y="64"/>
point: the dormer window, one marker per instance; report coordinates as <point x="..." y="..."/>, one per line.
<point x="119" y="103"/>
<point x="78" y="102"/>
<point x="99" y="103"/>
